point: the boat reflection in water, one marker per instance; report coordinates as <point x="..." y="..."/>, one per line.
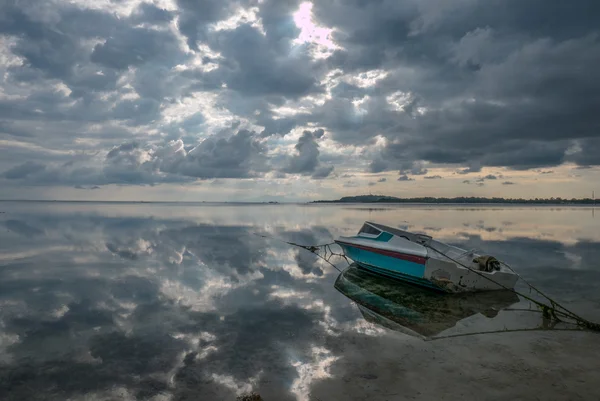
<point x="413" y="310"/>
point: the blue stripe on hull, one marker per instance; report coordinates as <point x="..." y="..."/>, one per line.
<point x="394" y="265"/>
<point x="391" y="267"/>
<point x="402" y="277"/>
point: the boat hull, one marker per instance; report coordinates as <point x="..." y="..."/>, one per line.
<point x="423" y="282"/>
<point x="397" y="265"/>
<point x="421" y="260"/>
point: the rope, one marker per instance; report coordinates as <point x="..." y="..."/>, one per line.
<point x="548" y="311"/>
<point x="552" y="311"/>
<point x="315" y="249"/>
<point x="536" y="290"/>
<point x="495" y="332"/>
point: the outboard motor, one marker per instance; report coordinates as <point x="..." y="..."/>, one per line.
<point x="487" y="263"/>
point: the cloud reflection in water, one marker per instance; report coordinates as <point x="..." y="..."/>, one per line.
<point x="154" y="302"/>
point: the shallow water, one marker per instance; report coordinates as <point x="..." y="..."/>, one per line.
<point x="105" y="301"/>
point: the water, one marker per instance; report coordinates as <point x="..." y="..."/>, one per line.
<point x="185" y="302"/>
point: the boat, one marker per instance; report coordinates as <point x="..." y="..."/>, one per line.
<point x="413" y="310"/>
<point x="419" y="259"/>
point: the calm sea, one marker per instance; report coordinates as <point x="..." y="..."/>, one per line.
<point x="102" y="301"/>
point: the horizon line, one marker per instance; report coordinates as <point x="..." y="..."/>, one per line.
<point x="299" y="201"/>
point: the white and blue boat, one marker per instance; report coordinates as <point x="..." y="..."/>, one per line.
<point x="421" y="260"/>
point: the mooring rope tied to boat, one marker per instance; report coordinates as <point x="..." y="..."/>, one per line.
<point x="548" y="311"/>
<point x="328" y="253"/>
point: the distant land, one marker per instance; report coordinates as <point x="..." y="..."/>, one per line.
<point x="349" y="199"/>
<point x="461" y="199"/>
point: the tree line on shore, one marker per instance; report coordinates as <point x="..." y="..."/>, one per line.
<point x="460" y="199"/>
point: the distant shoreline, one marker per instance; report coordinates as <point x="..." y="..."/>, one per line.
<point x="383" y="199"/>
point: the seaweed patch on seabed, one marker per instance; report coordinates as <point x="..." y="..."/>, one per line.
<point x="554" y="315"/>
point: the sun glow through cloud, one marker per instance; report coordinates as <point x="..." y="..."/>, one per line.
<point x="311" y="33"/>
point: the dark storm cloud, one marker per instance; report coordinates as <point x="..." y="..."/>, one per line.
<point x="136" y="46"/>
<point x="365" y="31"/>
<point x="91" y="188"/>
<point x="521" y="91"/>
<point x="86" y="51"/>
<point x="42" y="47"/>
<point x="193" y="122"/>
<point x="240" y="155"/>
<point x="122" y="149"/>
<point x="11" y="128"/>
<point x="405" y="167"/>
<point x="322" y="172"/>
<point x="351" y="126"/>
<point x="255" y="67"/>
<point x="280" y="127"/>
<point x="378" y="166"/>
<point x="588" y="153"/>
<point x="196" y="16"/>
<point x="277" y="20"/>
<point x="306" y="160"/>
<point x="23" y="170"/>
<point x="466" y="84"/>
<point x="50" y="41"/>
<point x="147" y="12"/>
<point x="471" y="169"/>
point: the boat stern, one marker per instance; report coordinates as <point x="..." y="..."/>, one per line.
<point x="455" y="278"/>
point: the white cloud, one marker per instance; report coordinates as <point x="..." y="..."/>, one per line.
<point x="241" y="16"/>
<point x="311" y="33"/>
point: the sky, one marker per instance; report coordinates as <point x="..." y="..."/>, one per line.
<point x="252" y="100"/>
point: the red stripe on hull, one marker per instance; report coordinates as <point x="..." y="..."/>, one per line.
<point x="398" y="255"/>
